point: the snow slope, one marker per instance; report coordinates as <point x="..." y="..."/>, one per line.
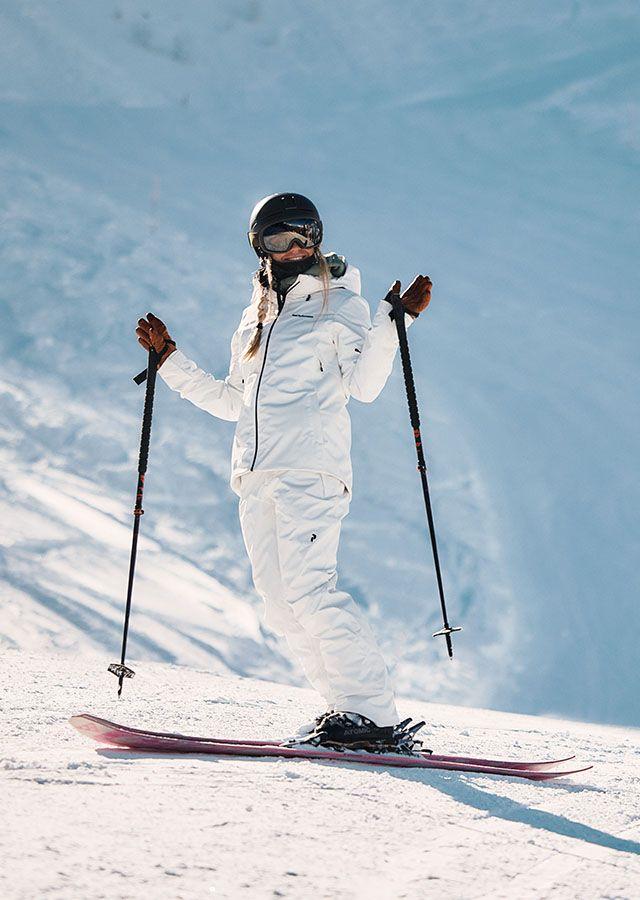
<point x="90" y="822"/>
<point x="493" y="145"/>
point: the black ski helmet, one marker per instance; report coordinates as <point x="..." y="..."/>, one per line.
<point x="278" y="208"/>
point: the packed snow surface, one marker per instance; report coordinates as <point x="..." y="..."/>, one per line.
<point x="86" y="821"/>
<point x="493" y="146"/>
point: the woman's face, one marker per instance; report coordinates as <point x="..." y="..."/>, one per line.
<point x="295" y="252"/>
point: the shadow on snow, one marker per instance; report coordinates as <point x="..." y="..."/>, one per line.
<point x="457" y="787"/>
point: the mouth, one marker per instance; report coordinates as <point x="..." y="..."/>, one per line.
<point x="297" y="253"/>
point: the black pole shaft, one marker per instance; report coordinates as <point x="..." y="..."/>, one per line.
<point x="414" y="416"/>
<point x="434" y="546"/>
<point x="138" y="511"/>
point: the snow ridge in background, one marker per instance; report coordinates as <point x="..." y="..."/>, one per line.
<point x="496" y="149"/>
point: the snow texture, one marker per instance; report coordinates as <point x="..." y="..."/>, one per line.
<point x="493" y="145"/>
<point x="91" y="822"/>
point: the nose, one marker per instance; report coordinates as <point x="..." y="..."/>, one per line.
<point x="296" y="249"/>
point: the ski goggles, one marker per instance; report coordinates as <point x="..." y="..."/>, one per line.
<point x="281" y="236"/>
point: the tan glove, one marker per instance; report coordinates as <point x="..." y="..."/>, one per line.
<point x="417" y="296"/>
<point x="152" y="332"/>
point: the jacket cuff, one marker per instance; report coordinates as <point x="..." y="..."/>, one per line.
<point x="174" y="368"/>
<point x="383" y="320"/>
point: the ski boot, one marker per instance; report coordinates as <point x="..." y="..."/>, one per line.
<point x="352" y="731"/>
<point x="304" y="731"/>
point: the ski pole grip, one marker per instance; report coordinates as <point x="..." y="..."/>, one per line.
<point x="397" y="314"/>
<point x="152" y="369"/>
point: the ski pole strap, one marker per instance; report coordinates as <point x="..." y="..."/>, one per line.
<point x="413" y="315"/>
<point x="141" y="377"/>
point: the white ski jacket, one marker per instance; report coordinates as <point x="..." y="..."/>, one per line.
<point x="290" y="399"/>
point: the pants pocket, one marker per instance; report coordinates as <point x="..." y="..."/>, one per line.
<point x="333" y="487"/>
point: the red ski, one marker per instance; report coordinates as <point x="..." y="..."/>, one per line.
<point x="166" y="742"/>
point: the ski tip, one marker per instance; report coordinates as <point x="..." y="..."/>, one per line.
<point x="76" y="718"/>
<point x="548" y="776"/>
<point x="565" y="759"/>
<point x="87" y="724"/>
<point x="79" y="721"/>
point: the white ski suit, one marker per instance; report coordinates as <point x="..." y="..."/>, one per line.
<point x="291" y="468"/>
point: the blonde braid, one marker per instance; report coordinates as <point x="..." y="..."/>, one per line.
<point x="264" y="278"/>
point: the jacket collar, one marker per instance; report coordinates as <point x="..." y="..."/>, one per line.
<point x="310" y="284"/>
<point x="300" y="290"/>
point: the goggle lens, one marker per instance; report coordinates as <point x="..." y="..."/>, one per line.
<point x="282" y="236"/>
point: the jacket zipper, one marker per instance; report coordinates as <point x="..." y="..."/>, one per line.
<point x="264" y="359"/>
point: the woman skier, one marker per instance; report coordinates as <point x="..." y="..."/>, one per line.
<point x="305" y="345"/>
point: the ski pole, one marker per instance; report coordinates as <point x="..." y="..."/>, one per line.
<point x="398" y="316"/>
<point x="120" y="669"/>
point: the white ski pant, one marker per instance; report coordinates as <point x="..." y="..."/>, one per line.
<point x="291" y="524"/>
